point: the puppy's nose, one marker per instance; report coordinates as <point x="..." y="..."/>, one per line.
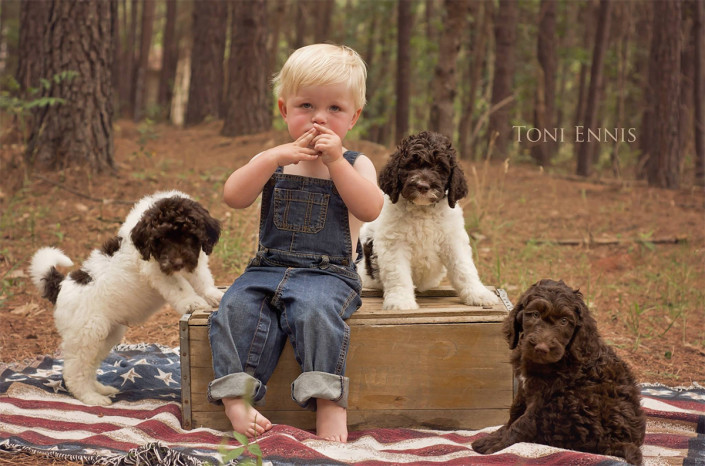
<point x="177" y="263"/>
<point x="423" y="187"/>
<point x="542" y="348"/>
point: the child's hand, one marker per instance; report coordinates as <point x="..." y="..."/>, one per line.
<point x="295" y="152"/>
<point x="327" y="144"/>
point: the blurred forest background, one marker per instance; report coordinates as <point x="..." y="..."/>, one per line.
<point x="104" y="101"/>
<point x="522" y="79"/>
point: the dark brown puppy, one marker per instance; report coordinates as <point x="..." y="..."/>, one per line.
<point x="574" y="391"/>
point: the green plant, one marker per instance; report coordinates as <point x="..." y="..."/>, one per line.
<point x="20" y="107"/>
<point x="634" y="319"/>
<point x="7" y="284"/>
<point x="58" y="233"/>
<point x="237" y="242"/>
<point x="486" y="190"/>
<point x="251" y="448"/>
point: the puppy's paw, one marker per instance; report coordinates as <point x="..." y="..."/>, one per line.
<point x="95" y="399"/>
<point x="195" y="303"/>
<point x="489" y="444"/>
<point x="397" y="302"/>
<point x="479" y="296"/>
<point x="105" y="389"/>
<point x="213" y="297"/>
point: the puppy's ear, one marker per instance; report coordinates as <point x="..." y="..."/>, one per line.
<point x="585" y="343"/>
<point x="141" y="236"/>
<point x="513" y="325"/>
<point x="457" y="186"/>
<point x="389" y="181"/>
<point x="209" y="228"/>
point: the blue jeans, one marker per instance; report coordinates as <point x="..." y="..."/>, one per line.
<point x="268" y="304"/>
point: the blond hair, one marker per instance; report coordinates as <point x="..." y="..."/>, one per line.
<point x="320" y="65"/>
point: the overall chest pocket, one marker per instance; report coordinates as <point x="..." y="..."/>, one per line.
<point x="300" y="211"/>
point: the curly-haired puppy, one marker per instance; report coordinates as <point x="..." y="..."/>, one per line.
<point x="159" y="255"/>
<point x="574" y="391"/>
<point x="420" y="234"/>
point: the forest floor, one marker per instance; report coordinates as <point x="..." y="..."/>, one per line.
<point x="637" y="253"/>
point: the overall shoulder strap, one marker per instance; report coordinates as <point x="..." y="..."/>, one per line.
<point x="351" y="156"/>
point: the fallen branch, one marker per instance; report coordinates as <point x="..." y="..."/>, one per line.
<point x="617" y="182"/>
<point x="608" y="241"/>
<point x="80" y="194"/>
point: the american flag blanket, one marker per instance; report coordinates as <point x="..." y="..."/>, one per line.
<point x="143" y="425"/>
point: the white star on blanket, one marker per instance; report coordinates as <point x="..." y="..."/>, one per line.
<point x="130" y="375"/>
<point x="166" y="377"/>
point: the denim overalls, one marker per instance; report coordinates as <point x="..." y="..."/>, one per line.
<point x="302" y="284"/>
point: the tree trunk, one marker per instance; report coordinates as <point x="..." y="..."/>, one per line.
<point x="33" y="20"/>
<point x="585" y="16"/>
<point x="586" y="149"/>
<point x="143" y="61"/>
<point x="300" y="23"/>
<point x="444" y="85"/>
<point x="210" y="21"/>
<point x="117" y="56"/>
<point x="663" y="166"/>
<point x="477" y="46"/>
<point x="127" y="83"/>
<point x="77" y="132"/>
<point x="278" y="17"/>
<point x="699" y="92"/>
<point x="249" y="107"/>
<point x="324" y="14"/>
<point x="643" y="68"/>
<point x="170" y="57"/>
<point x="505" y="43"/>
<point x="623" y="16"/>
<point x="405" y="19"/>
<point x="546" y="85"/>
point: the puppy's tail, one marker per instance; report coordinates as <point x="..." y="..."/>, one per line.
<point x="43" y="271"/>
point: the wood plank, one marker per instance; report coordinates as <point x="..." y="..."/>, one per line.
<point x="437" y="303"/>
<point x="456" y="366"/>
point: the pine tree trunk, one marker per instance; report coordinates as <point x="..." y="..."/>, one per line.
<point x="210" y="21"/>
<point x="663" y="166"/>
<point x="77" y="132"/>
<point x="140" y="105"/>
<point x="404" y="26"/>
<point x="249" y="107"/>
<point x="505" y="43"/>
<point x="699" y="92"/>
<point x="170" y="58"/>
<point x="324" y="14"/>
<point x="585" y="148"/>
<point x="444" y="84"/>
<point x="127" y="83"/>
<point x="33" y="20"/>
<point x="477" y="46"/>
<point x="546" y="86"/>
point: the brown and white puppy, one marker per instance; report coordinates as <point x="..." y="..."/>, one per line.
<point x="574" y="391"/>
<point x="420" y="236"/>
<point x="160" y="255"/>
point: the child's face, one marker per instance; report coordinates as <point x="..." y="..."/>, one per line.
<point x="331" y="106"/>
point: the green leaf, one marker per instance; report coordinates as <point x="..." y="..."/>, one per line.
<point x="241" y="438"/>
<point x="233" y="454"/>
<point x="254" y="449"/>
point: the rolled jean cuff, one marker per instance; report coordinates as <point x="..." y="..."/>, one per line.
<point x="239" y="385"/>
<point x="314" y="384"/>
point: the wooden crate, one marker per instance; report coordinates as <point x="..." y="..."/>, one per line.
<point x="444" y="366"/>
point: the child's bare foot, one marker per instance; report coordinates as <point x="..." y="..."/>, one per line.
<point x="331" y="421"/>
<point x="244" y="418"/>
